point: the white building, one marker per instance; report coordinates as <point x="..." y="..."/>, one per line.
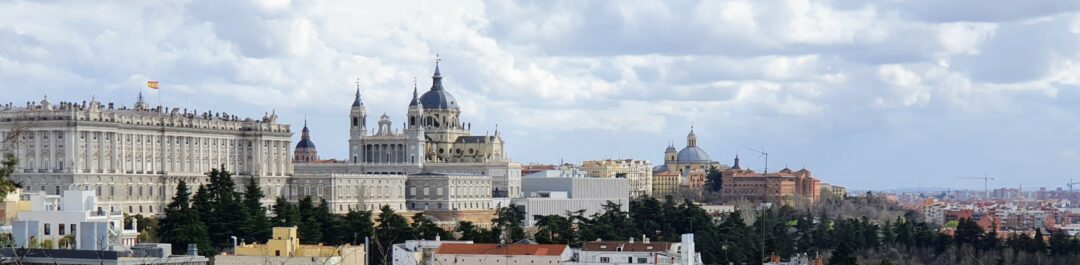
<point x="497" y="254"/>
<point x="433" y="139"/>
<point x="434" y="191"/>
<point x="556" y="195"/>
<point x="639" y="252"/>
<point x="132" y="158"/>
<point x="419" y="252"/>
<point x="75" y="217"/>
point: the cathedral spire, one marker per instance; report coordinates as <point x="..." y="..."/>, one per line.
<point x="357" y="102"/>
<point x="736" y="166"/>
<point x="415" y="97"/>
<point x="436" y="79"/>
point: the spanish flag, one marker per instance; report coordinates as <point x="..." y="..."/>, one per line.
<point x="152" y="84"/>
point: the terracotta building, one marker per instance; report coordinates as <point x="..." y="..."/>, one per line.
<point x="745" y="184"/>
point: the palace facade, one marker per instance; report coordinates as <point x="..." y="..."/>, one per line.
<point x="133" y="158"/>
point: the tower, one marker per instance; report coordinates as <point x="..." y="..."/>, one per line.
<point x="414" y="131"/>
<point x="736" y="166"/>
<point x="669" y="154"/>
<point x="357" y="127"/>
<point x="691" y="139"/>
<point x="305" y="151"/>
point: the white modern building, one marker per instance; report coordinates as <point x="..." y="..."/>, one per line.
<point x="638" y="252"/>
<point x="74" y="218"/>
<point x="419" y="252"/>
<point x="549" y="194"/>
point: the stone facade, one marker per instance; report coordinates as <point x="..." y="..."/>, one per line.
<point x="432" y="148"/>
<point x="638" y="172"/>
<point x="133" y="157"/>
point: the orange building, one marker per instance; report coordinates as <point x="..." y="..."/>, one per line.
<point x="745" y="184"/>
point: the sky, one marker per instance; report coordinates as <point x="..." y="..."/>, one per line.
<point x="866" y="94"/>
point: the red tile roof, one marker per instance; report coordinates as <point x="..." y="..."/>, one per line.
<point x="626" y="246"/>
<point x="496" y="249"/>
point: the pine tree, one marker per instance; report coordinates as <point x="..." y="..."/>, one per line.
<point x="228" y="217"/>
<point x="181" y="225"/>
<point x="329" y="224"/>
<point x="258" y="227"/>
<point x="310" y="229"/>
<point x="285" y="213"/>
<point x="357" y="225"/>
<point x="392" y="229"/>
<point x="424" y="228"/>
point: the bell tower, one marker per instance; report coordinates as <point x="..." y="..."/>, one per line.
<point x="414" y="130"/>
<point x="357" y="127"/>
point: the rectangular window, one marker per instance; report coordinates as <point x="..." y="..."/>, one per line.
<point x="605" y="260"/>
<point x="48" y="230"/>
<point x="60" y="229"/>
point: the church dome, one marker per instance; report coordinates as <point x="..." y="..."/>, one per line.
<point x="305" y="143"/>
<point x="437" y="97"/>
<point x="692" y="154"/>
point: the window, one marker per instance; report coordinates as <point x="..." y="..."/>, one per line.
<point x="642" y="260"/>
<point x="73" y="229"/>
<point x="605" y="260"/>
<point x="277" y="252"/>
<point x="629" y="259"/>
<point x="60" y="230"/>
<point x="48" y="229"/>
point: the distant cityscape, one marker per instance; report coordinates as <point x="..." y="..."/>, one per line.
<point x="86" y="172"/>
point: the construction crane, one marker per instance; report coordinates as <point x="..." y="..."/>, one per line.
<point x="764" y="196"/>
<point x="1070" y="184"/>
<point x="986" y="184"/>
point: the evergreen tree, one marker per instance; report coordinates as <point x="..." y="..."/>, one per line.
<point x="228" y="217"/>
<point x="392" y="229"/>
<point x="469" y="231"/>
<point x="310" y="229"/>
<point x="357" y="226"/>
<point x="329" y="223"/>
<point x="424" y="228"/>
<point x="258" y="227"/>
<point x="714" y="180"/>
<point x="6" y="168"/>
<point x="285" y="213"/>
<point x="511" y="219"/>
<point x="181" y="225"/>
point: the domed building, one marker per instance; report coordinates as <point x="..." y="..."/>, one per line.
<point x="691" y="158"/>
<point x="431" y="161"/>
<point x="305" y="149"/>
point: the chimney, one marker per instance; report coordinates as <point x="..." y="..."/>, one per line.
<point x="644" y="240"/>
<point x="192" y="250"/>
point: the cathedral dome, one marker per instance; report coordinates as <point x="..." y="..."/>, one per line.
<point x="692" y="154"/>
<point x="437" y="97"/>
<point x="305" y="143"/>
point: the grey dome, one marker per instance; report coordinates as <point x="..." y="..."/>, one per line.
<point x="305" y="143"/>
<point x="437" y="97"/>
<point x="692" y="154"/>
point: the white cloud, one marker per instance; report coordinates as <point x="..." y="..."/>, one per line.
<point x="809" y="74"/>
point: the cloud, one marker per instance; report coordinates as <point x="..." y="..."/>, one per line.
<point x="834" y="84"/>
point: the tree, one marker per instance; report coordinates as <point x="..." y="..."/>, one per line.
<point x="469" y="231"/>
<point x="357" y="225"/>
<point x="227" y="215"/>
<point x="6" y="168"/>
<point x="510" y="219"/>
<point x="714" y="180"/>
<point x="329" y="223"/>
<point x="285" y="213"/>
<point x="181" y="225"/>
<point x="258" y="227"/>
<point x="424" y="228"/>
<point x="310" y="229"/>
<point x="392" y="229"/>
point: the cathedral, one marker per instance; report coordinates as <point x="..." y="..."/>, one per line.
<point x="422" y="157"/>
<point x="691" y="158"/>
